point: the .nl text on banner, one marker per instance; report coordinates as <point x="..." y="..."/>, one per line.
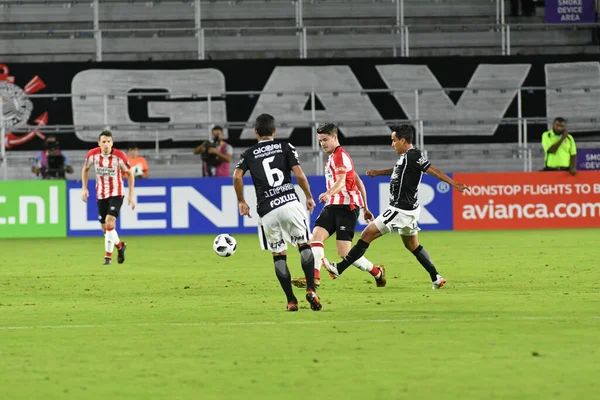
<point x="209" y="206"/>
<point x="33" y="209"/>
<point x="528" y="200"/>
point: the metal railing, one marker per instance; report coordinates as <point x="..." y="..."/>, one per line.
<point x="400" y="31"/>
<point x="421" y="117"/>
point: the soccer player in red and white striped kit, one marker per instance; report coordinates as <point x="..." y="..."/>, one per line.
<point x="109" y="164"/>
<point x="344" y="198"/>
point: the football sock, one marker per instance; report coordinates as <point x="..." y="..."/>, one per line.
<point x="108" y="242"/>
<point x="363" y="264"/>
<point x="318" y="253"/>
<point x="308" y="265"/>
<point x="354" y="254"/>
<point x="283" y="274"/>
<point x="115" y="238"/>
<point x="423" y="257"/>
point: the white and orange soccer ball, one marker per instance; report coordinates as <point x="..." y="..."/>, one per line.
<point x="224" y="245"/>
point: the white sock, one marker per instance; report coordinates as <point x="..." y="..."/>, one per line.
<point x="318" y="253"/>
<point x="108" y="243"/>
<point x="363" y="264"/>
<point x="115" y="237"/>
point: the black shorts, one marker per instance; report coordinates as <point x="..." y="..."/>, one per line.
<point x="109" y="206"/>
<point x="339" y="219"/>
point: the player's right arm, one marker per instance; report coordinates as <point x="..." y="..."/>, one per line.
<point x="363" y="192"/>
<point x="341" y="165"/>
<point x="380" y="172"/>
<point x="85" y="175"/>
<point x="461" y="187"/>
<point x="304" y="185"/>
<point x="238" y="185"/>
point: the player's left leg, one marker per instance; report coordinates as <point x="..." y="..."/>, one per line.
<point x="370" y="233"/>
<point x="295" y="230"/>
<point x="285" y="279"/>
<point x="111" y="236"/>
<point x="411" y="242"/>
<point x="271" y="234"/>
<point x="102" y="215"/>
<point x="307" y="260"/>
<point x="376" y="271"/>
<point x="346" y="220"/>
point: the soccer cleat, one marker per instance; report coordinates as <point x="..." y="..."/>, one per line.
<point x="121" y="251"/>
<point x="313" y="299"/>
<point x="107" y="261"/>
<point x="332" y="269"/>
<point x="292" y="306"/>
<point x="381" y="281"/>
<point x="438" y="283"/>
<point x="301" y="282"/>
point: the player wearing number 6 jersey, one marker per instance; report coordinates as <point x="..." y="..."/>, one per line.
<point x="281" y="216"/>
<point x="109" y="165"/>
<point x="344" y="198"/>
<point x="403" y="212"/>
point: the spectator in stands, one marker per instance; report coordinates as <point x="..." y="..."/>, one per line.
<point x="560" y="153"/>
<point x="137" y="162"/>
<point x="51" y="163"/>
<point x="216" y="154"/>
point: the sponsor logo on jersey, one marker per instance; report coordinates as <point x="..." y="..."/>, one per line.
<point x="296" y="239"/>
<point x="267" y="149"/>
<point x="283" y="199"/>
<point x="105" y="171"/>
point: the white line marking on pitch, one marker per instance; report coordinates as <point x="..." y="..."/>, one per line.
<point x="250" y="323"/>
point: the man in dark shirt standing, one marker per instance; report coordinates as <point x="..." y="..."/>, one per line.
<point x="281" y="217"/>
<point x="403" y="212"/>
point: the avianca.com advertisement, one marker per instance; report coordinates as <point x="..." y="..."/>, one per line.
<point x="528" y="200"/>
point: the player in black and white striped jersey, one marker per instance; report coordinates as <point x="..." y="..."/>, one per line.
<point x="403" y="211"/>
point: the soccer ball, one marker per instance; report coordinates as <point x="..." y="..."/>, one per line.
<point x="224" y="245"/>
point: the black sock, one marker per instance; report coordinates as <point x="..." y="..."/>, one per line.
<point x="423" y="257"/>
<point x="354" y="254"/>
<point x="284" y="276"/>
<point x="308" y="265"/>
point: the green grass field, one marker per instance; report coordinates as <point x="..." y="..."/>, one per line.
<point x="518" y="319"/>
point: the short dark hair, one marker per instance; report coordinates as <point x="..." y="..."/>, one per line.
<point x="265" y="125"/>
<point x="406" y="132"/>
<point x="560" y="119"/>
<point x="217" y="128"/>
<point x="132" y="145"/>
<point x="105" y="133"/>
<point x="328" y="128"/>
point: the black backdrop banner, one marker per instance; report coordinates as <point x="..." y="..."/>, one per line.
<point x="331" y="79"/>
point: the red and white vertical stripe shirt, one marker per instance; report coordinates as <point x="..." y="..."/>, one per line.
<point x="339" y="162"/>
<point x="109" y="172"/>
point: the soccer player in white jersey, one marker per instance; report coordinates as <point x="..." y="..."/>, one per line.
<point x="344" y="198"/>
<point x="109" y="164"/>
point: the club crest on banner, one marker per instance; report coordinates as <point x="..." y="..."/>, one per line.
<point x="17" y="108"/>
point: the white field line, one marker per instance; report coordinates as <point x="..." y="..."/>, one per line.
<point x="314" y="322"/>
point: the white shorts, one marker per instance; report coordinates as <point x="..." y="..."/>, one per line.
<point x="402" y="221"/>
<point x="284" y="224"/>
